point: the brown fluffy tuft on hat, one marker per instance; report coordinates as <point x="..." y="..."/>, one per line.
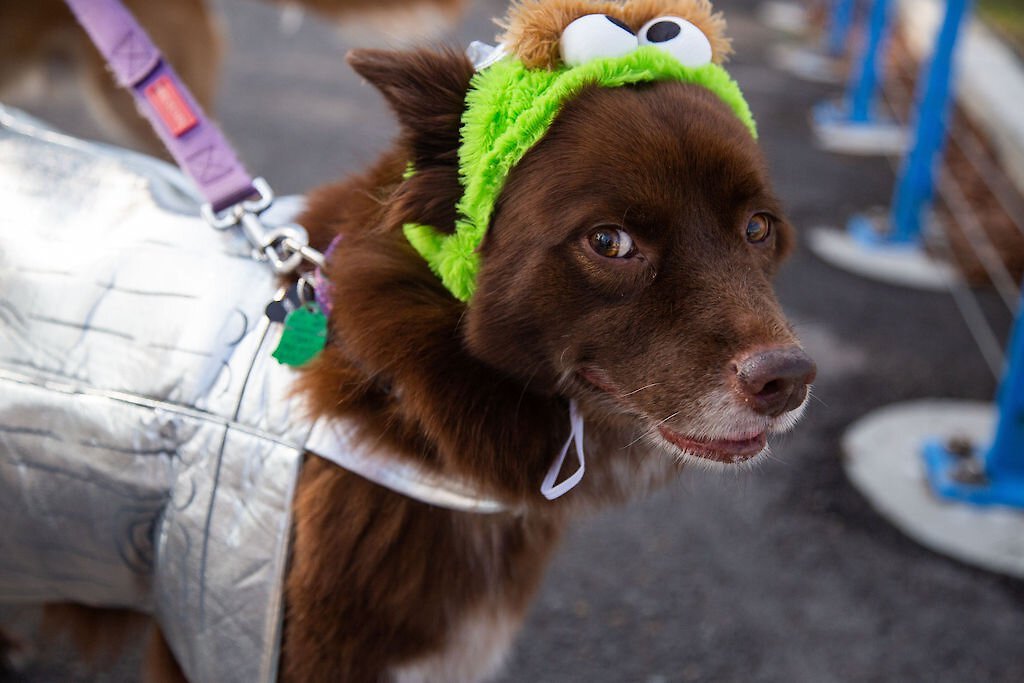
<point x="532" y="28"/>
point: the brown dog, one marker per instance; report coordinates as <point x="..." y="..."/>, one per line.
<point x="678" y="353"/>
<point x="675" y="349"/>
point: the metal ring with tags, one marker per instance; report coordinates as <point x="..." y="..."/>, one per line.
<point x="284" y="247"/>
<point x="309" y="254"/>
<point x="274" y="245"/>
<point x="305" y="291"/>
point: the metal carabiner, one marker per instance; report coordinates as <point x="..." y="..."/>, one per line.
<point x="275" y="244"/>
<point x="284" y="247"/>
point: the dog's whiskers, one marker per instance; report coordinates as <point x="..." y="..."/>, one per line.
<point x="812" y="396"/>
<point x="651" y="430"/>
<point x="526" y="386"/>
<point x="561" y="358"/>
<point x="661" y="422"/>
<point x="637" y="391"/>
<point x="769" y="455"/>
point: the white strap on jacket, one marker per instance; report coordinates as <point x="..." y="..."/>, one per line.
<point x="335" y="441"/>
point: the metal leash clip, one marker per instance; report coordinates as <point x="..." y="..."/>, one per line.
<point x="284" y="247"/>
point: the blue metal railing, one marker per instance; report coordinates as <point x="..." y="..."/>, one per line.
<point x="973" y="474"/>
<point x="858" y="106"/>
<point x="994" y="476"/>
<point x="915" y="187"/>
<point x="840" y="24"/>
<point x="862" y="90"/>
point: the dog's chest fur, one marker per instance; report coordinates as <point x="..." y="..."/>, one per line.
<point x="384" y="586"/>
<point x="475" y="651"/>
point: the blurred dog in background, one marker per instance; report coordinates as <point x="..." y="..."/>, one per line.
<point x="35" y="36"/>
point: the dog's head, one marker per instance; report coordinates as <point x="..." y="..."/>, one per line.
<point x="628" y="259"/>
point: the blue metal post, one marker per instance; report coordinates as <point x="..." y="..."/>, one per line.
<point x="857" y="108"/>
<point x="914" y="188"/>
<point x="1005" y="458"/>
<point x="861" y="90"/>
<point x="997" y="476"/>
<point x="840" y="22"/>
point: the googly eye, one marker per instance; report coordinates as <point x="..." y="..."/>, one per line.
<point x="594" y="36"/>
<point x="611" y="242"/>
<point x="680" y="38"/>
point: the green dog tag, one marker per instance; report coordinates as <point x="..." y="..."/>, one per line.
<point x="304" y="336"/>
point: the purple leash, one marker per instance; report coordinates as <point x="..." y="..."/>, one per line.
<point x="234" y="198"/>
<point x="195" y="143"/>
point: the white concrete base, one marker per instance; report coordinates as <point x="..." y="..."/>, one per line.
<point x="788" y="17"/>
<point x="883" y="460"/>
<point x="805" y="63"/>
<point x="898" y="265"/>
<point x="861" y="139"/>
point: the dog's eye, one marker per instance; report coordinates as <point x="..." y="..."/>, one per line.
<point x="680" y="38"/>
<point x="759" y="228"/>
<point x="611" y="242"/>
<point x="593" y="36"/>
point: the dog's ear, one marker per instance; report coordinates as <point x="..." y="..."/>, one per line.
<point x="427" y="91"/>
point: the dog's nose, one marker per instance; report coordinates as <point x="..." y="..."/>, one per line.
<point x="774" y="380"/>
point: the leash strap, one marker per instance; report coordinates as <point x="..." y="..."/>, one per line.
<point x="233" y="197"/>
<point x="192" y="139"/>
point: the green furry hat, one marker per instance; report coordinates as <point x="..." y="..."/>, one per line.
<point x="510" y="107"/>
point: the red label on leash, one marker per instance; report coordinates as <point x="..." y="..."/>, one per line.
<point x="170" y="106"/>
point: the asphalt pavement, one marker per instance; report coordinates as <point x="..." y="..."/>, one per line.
<point x="783" y="574"/>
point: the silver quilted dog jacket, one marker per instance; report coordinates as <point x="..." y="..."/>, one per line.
<point x="148" y="446"/>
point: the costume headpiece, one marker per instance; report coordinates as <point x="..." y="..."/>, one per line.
<point x="550" y="51"/>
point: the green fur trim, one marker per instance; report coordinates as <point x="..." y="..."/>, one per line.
<point x="509" y="108"/>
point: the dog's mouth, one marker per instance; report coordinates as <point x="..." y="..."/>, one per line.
<point x="727" y="451"/>
<point x="744" y="444"/>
